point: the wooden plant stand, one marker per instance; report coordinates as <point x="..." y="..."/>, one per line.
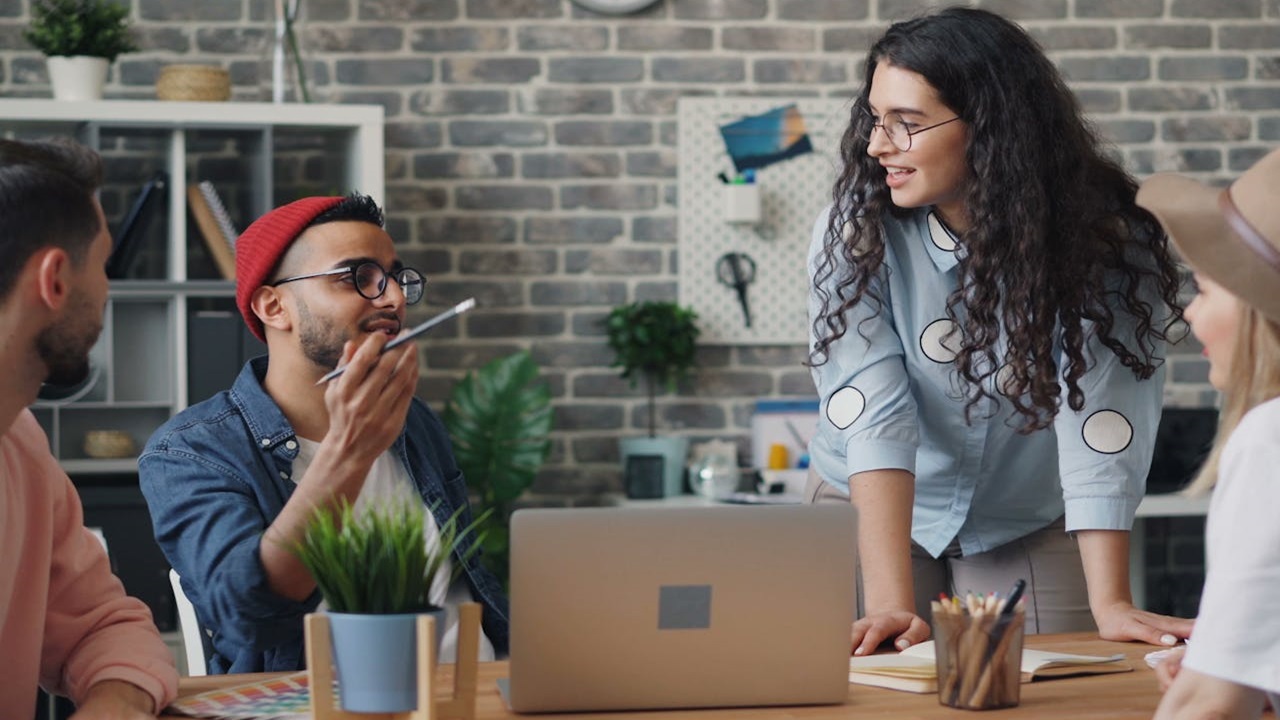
<point x="461" y="704"/>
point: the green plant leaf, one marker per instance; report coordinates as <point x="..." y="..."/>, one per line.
<point x="378" y="560"/>
<point x="498" y="419"/>
<point x="80" y="27"/>
<point x="654" y="340"/>
<point x="657" y="339"/>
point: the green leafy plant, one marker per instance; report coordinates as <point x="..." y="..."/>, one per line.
<point x="80" y="27"/>
<point x="498" y="419"/>
<point x="377" y="561"/>
<point x="656" y="340"/>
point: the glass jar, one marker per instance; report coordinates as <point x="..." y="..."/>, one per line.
<point x="714" y="476"/>
<point x="287" y="71"/>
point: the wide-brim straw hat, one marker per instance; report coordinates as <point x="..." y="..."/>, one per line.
<point x="1231" y="235"/>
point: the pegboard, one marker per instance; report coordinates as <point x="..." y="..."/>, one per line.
<point x="792" y="193"/>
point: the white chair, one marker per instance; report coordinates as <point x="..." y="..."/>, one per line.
<point x="192" y="642"/>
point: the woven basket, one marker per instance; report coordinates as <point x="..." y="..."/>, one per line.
<point x="193" y="82"/>
<point x="109" y="444"/>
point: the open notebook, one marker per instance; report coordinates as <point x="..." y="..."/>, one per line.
<point x="914" y="670"/>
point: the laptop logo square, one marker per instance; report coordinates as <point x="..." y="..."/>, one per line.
<point x="684" y="607"/>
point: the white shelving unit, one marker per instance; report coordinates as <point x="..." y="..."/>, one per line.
<point x="246" y="147"/>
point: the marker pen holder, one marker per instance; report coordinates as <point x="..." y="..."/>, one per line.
<point x="979" y="658"/>
<point x="741" y="203"/>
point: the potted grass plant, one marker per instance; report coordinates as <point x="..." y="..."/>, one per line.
<point x="655" y="341"/>
<point x="375" y="568"/>
<point x="80" y="40"/>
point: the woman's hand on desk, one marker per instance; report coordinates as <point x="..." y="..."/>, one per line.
<point x="905" y="628"/>
<point x="1122" y="621"/>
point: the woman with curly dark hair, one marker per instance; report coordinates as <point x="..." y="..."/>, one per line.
<point x="989" y="316"/>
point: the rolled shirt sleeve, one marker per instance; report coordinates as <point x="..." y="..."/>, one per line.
<point x="867" y="415"/>
<point x="1104" y="450"/>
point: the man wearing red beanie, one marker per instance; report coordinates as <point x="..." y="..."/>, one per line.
<point x="231" y="481"/>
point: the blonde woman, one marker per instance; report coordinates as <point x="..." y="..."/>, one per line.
<point x="1231" y="238"/>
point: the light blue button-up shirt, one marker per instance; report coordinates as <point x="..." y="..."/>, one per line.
<point x="891" y="399"/>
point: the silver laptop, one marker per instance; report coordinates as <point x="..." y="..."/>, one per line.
<point x="640" y="608"/>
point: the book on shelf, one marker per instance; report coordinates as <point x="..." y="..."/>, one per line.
<point x="219" y="212"/>
<point x="914" y="669"/>
<point x="215" y="226"/>
<point x="128" y="239"/>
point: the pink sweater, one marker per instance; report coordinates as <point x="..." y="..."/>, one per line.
<point x="65" y="620"/>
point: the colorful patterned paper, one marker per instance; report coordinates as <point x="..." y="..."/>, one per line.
<point x="284" y="698"/>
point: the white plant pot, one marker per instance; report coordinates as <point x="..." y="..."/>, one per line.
<point x="79" y="77"/>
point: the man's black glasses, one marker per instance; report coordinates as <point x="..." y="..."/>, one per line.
<point x="370" y="280"/>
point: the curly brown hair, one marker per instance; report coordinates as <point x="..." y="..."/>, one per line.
<point x="1056" y="250"/>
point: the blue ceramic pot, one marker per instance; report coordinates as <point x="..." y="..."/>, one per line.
<point x="376" y="657"/>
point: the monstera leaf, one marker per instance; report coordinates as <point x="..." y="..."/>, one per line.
<point x="498" y="418"/>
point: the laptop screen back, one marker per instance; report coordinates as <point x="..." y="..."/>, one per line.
<point x="634" y="608"/>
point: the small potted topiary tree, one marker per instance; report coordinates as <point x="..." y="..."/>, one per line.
<point x="80" y="40"/>
<point x="375" y="569"/>
<point x="656" y="341"/>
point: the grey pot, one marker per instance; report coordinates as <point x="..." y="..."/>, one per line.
<point x="673" y="451"/>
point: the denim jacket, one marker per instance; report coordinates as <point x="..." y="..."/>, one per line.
<point x="218" y="473"/>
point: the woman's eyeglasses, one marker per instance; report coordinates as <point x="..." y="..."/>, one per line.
<point x="898" y="130"/>
<point x="370" y="280"/>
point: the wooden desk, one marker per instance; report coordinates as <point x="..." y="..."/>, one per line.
<point x="1121" y="696"/>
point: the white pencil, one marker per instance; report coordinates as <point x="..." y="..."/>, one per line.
<point x="417" y="330"/>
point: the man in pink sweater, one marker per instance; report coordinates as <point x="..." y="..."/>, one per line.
<point x="65" y="621"/>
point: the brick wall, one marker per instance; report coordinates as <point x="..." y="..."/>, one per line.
<point x="531" y="152"/>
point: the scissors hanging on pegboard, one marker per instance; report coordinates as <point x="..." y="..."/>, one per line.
<point x="737" y="270"/>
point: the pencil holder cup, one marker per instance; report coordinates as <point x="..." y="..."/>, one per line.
<point x="742" y="203"/>
<point x="979" y="659"/>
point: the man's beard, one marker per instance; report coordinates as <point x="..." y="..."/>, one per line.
<point x="321" y="342"/>
<point x="64" y="346"/>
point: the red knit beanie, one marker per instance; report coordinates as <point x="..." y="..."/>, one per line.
<point x="260" y="246"/>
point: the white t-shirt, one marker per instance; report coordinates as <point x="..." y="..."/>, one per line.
<point x="388" y="480"/>
<point x="1237" y="634"/>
